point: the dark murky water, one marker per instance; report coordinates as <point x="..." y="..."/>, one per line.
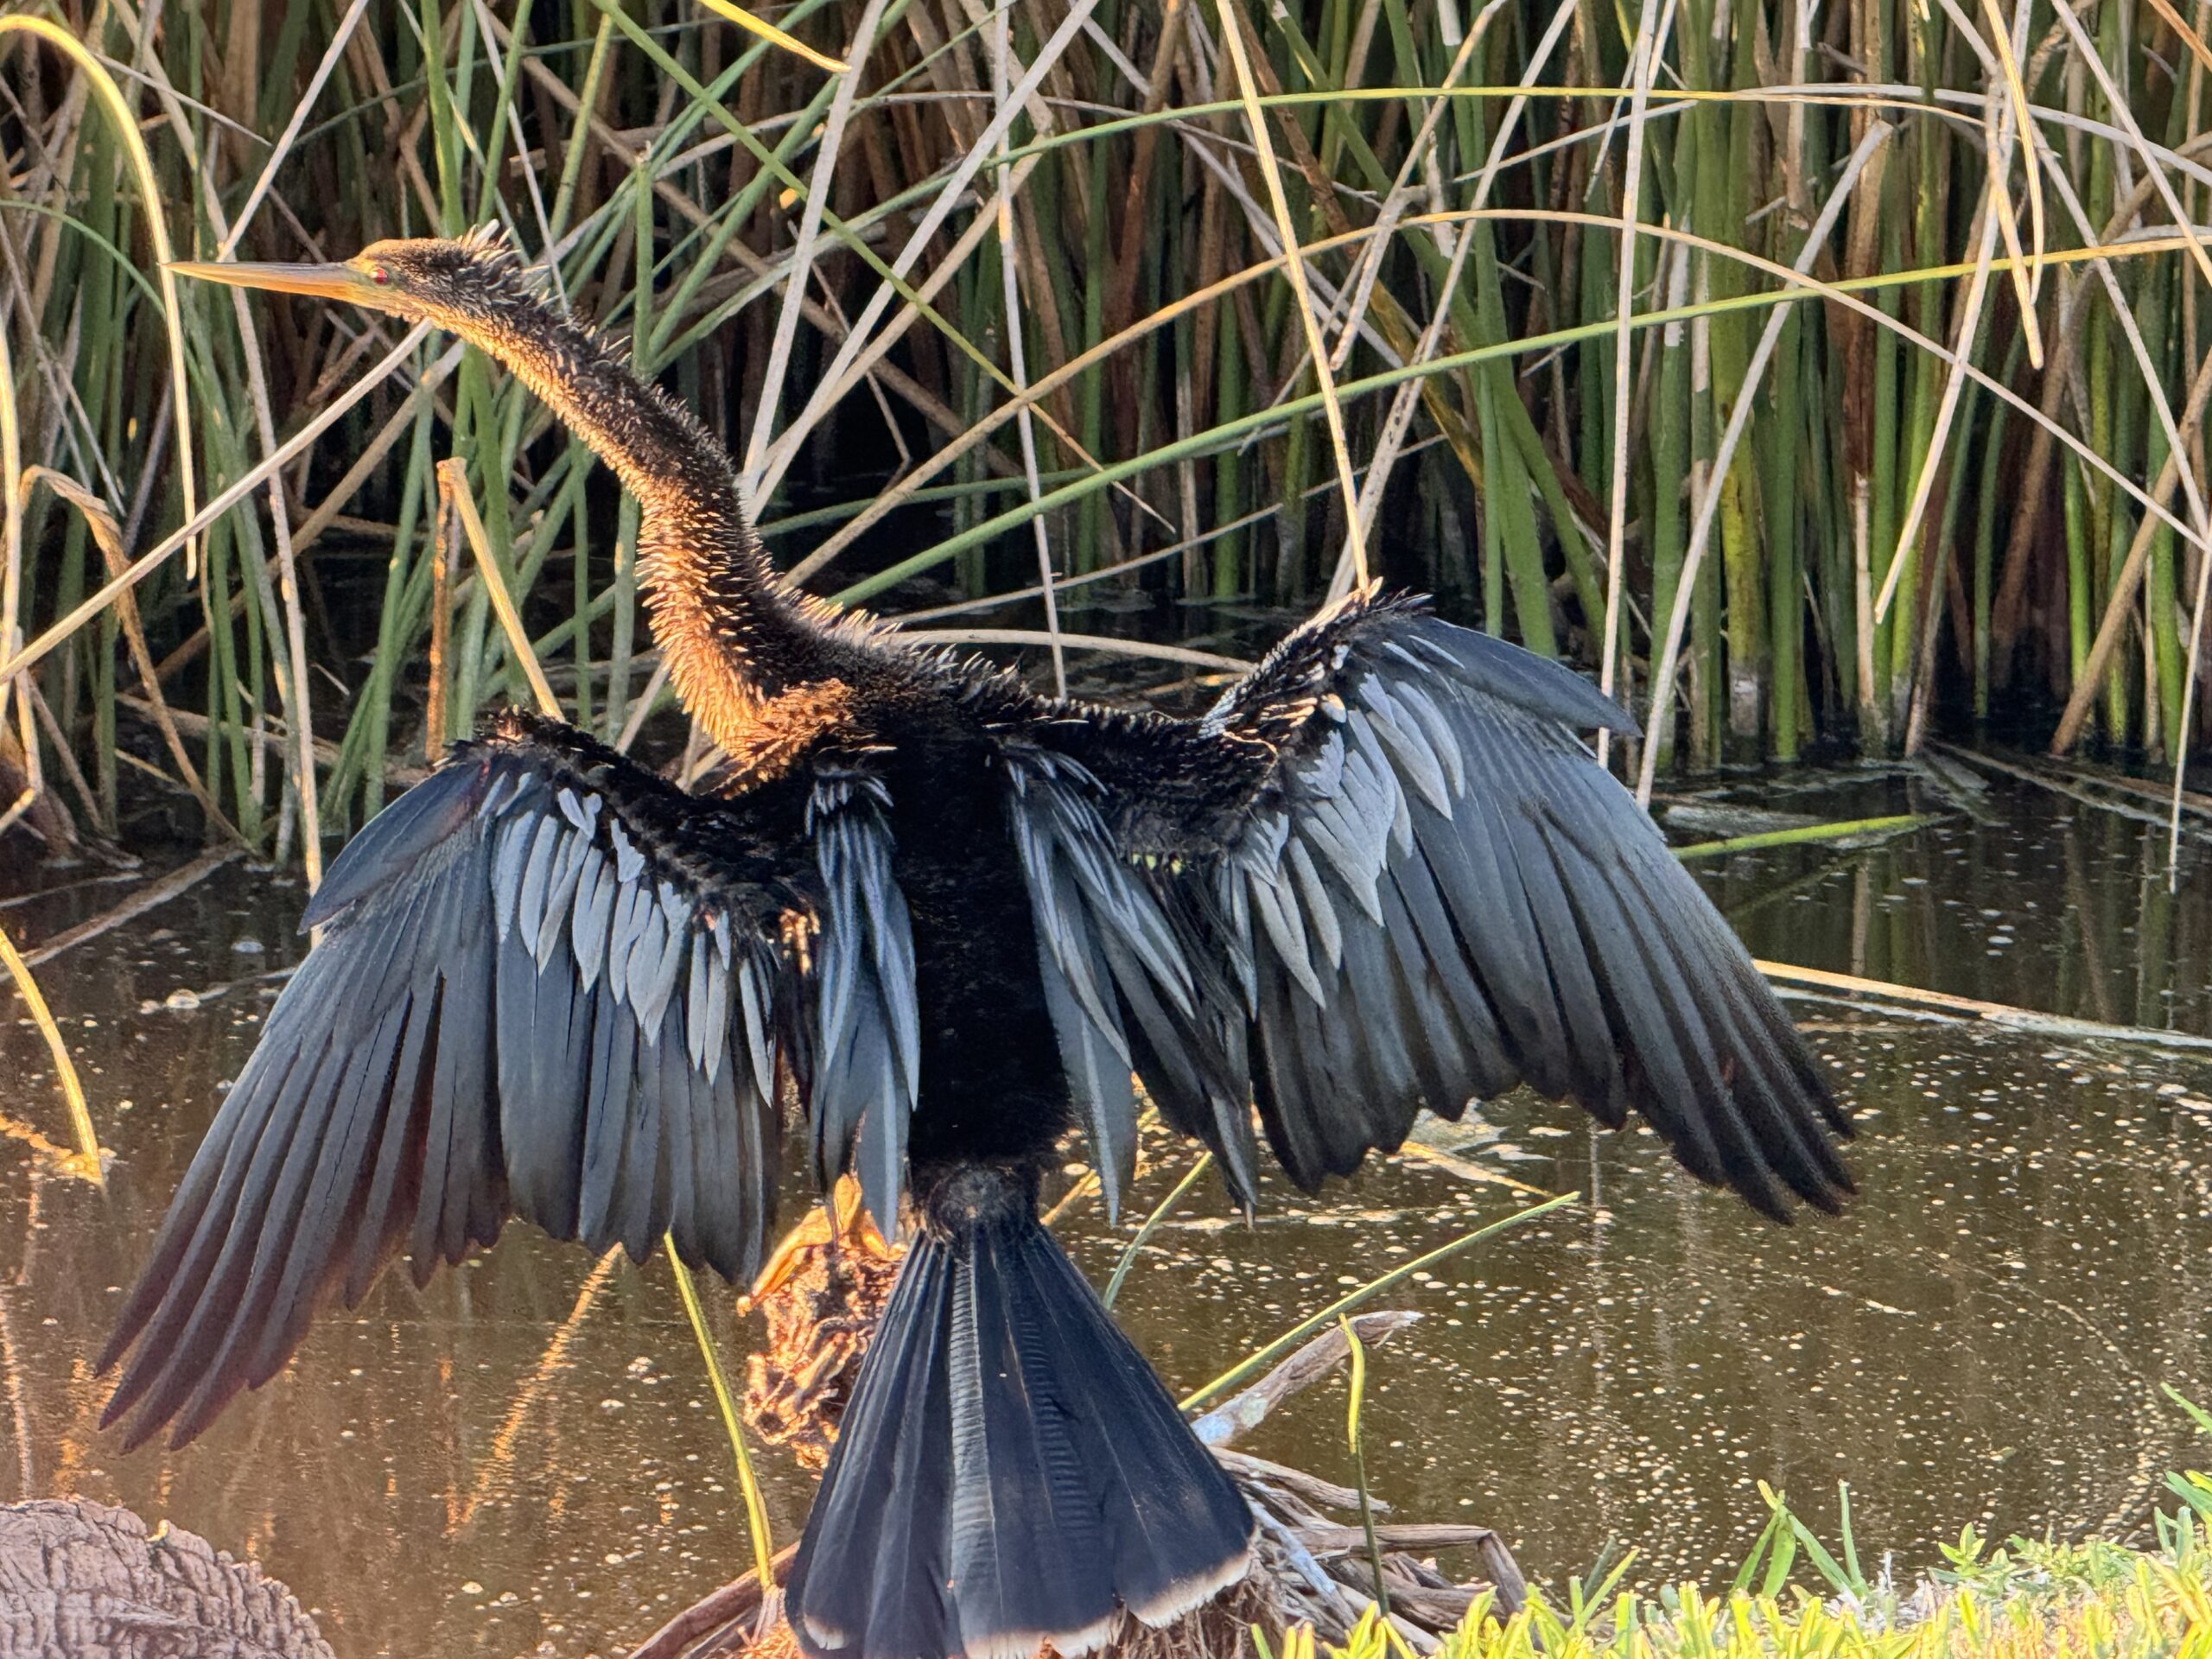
<point x="523" y="1457"/>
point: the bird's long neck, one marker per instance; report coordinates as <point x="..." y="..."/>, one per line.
<point x="733" y="634"/>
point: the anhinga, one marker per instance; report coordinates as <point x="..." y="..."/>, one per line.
<point x="1382" y="872"/>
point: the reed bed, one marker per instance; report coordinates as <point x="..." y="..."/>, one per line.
<point x="1813" y="374"/>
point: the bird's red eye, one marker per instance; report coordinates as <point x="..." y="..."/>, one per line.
<point x="379" y="275"/>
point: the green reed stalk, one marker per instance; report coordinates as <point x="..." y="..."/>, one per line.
<point x="670" y="157"/>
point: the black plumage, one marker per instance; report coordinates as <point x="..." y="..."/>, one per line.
<point x="1382" y="873"/>
<point x="1072" y="1487"/>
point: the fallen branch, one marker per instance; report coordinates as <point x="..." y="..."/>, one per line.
<point x="1245" y="1412"/>
<point x="2073" y="791"/>
<point x="157" y="891"/>
<point x="1856" y="833"/>
<point x="1966" y="1007"/>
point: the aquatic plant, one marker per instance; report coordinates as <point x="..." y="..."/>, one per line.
<point x="1537" y="238"/>
<point x="2023" y="1600"/>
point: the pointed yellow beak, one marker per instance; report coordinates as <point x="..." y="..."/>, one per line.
<point x="322" y="282"/>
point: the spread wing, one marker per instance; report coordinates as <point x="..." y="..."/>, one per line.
<point x="549" y="986"/>
<point x="1384" y="873"/>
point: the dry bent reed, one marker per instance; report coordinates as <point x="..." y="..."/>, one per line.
<point x="1971" y="466"/>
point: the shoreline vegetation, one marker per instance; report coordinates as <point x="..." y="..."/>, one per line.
<point x="2019" y="1601"/>
<point x="1792" y="1599"/>
<point x="1891" y="314"/>
<point x="1794" y="1595"/>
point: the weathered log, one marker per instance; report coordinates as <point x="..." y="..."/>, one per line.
<point x="1246" y="1411"/>
<point x="80" y="1580"/>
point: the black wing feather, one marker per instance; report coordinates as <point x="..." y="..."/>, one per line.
<point x="1414" y="889"/>
<point x="865" y="1072"/>
<point x="465" y="1042"/>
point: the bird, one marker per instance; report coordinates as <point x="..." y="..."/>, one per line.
<point x="923" y="924"/>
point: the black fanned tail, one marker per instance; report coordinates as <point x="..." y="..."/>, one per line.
<point x="1010" y="1472"/>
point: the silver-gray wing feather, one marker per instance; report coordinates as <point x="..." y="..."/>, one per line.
<point x="528" y="1000"/>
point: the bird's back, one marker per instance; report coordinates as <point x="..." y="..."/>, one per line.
<point x="993" y="1085"/>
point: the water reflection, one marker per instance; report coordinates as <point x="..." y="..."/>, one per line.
<point x="523" y="1456"/>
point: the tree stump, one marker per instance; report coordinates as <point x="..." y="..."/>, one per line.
<point x="80" y="1580"/>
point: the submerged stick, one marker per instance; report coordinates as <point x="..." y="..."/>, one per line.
<point x="1967" y="1008"/>
<point x="2069" y="788"/>
<point x="1861" y="831"/>
<point x="1374" y="1288"/>
<point x="1245" y="1412"/>
<point x="158" y="892"/>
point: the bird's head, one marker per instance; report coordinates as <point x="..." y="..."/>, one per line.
<point x="461" y="285"/>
